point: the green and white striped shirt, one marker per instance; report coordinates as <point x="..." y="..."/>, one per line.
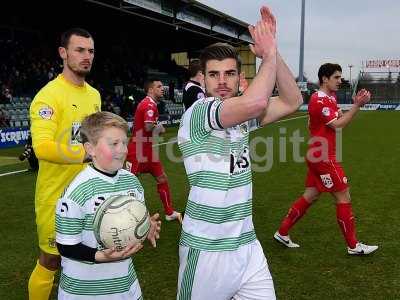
<point x="74" y="224"/>
<point x="218" y="214"/>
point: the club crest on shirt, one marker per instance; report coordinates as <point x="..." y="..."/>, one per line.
<point x="150" y="113"/>
<point x="327" y="180"/>
<point x="46" y="112"/>
<point x="326" y="111"/>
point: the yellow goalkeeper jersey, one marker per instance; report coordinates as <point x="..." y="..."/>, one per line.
<point x="56" y="113"/>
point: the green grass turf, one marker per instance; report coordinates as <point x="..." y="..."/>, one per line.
<point x="319" y="269"/>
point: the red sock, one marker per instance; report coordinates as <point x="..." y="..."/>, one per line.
<point x="163" y="191"/>
<point x="345" y="219"/>
<point x="298" y="209"/>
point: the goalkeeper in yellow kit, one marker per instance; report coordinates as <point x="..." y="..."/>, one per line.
<point x="56" y="113"/>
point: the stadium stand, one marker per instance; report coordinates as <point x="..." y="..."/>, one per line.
<point x="125" y="54"/>
<point x="384" y="86"/>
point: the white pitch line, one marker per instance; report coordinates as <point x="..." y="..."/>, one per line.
<point x="300" y="117"/>
<point x="14" y="172"/>
<point x="173" y="141"/>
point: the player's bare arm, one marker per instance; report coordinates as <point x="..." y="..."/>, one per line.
<point x="363" y="96"/>
<point x="254" y="100"/>
<point x="290" y="97"/>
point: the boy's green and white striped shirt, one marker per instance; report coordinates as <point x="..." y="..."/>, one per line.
<point x="74" y="224"/>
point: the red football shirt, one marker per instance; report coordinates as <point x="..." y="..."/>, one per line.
<point x="322" y="110"/>
<point x="142" y="140"/>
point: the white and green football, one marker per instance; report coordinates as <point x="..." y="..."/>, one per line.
<point x="120" y="220"/>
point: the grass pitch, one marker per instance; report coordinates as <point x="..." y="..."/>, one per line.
<point x="319" y="269"/>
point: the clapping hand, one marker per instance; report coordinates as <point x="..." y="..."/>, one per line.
<point x="263" y="34"/>
<point x="159" y="129"/>
<point x="363" y="96"/>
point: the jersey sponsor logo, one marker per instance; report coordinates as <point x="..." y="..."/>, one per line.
<point x="75" y="133"/>
<point x="326" y="111"/>
<point x="96" y="108"/>
<point x="46" y="112"/>
<point x="240" y="162"/>
<point x="327" y="180"/>
<point x="150" y="113"/>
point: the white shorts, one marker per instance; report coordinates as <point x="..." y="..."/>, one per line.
<point x="242" y="274"/>
<point x="134" y="293"/>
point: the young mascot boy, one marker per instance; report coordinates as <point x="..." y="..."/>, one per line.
<point x="87" y="272"/>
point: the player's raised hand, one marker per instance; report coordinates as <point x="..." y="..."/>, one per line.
<point x="112" y="254"/>
<point x="263" y="35"/>
<point x="268" y="18"/>
<point x="155" y="228"/>
<point x="363" y="96"/>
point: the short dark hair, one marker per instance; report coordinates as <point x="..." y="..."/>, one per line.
<point x="149" y="83"/>
<point x="66" y="35"/>
<point x="220" y="51"/>
<point x="327" y="70"/>
<point x="194" y="67"/>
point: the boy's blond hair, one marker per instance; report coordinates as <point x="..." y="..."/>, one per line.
<point x="94" y="124"/>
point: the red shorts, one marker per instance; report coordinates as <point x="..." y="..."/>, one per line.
<point x="326" y="176"/>
<point x="155" y="168"/>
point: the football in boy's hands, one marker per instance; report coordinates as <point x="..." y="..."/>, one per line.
<point x="120" y="220"/>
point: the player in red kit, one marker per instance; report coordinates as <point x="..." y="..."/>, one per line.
<point x="141" y="157"/>
<point x="325" y="174"/>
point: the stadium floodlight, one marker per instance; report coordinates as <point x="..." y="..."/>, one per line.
<point x="301" y="59"/>
<point x="350" y="66"/>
